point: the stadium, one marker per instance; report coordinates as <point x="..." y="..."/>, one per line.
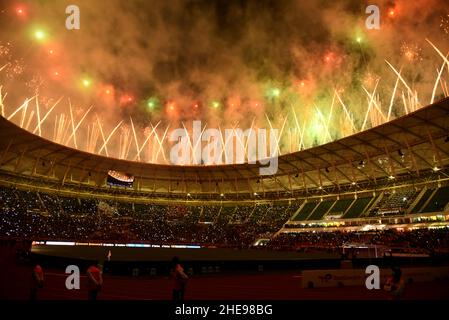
<point x="378" y="195"/>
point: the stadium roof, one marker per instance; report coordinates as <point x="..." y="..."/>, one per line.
<point x="407" y="147"/>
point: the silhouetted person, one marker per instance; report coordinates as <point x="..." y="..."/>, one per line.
<point x="37" y="281"/>
<point x="94" y="280"/>
<point x="179" y="280"/>
<point x="395" y="284"/>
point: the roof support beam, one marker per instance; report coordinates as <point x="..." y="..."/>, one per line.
<point x="19" y="160"/>
<point x="5" y="152"/>
<point x="66" y="173"/>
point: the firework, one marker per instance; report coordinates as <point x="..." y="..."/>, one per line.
<point x="148" y="133"/>
<point x="100" y="126"/>
<point x="411" y="52"/>
<point x="125" y="141"/>
<point x="93" y="134"/>
<point x="73" y="135"/>
<point x="2" y="99"/>
<point x="347" y="113"/>
<point x="35" y="83"/>
<point x="14" y="69"/>
<point x="370" y="79"/>
<point x="439" y="73"/>
<point x="297" y="129"/>
<point x="371" y="100"/>
<point x="46" y="101"/>
<point x="135" y="139"/>
<point x="105" y="143"/>
<point x="161" y="147"/>
<point x="444" y="23"/>
<point x="5" y="50"/>
<point x="39" y="123"/>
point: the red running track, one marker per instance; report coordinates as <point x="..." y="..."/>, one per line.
<point x="216" y="287"/>
<point x="15" y="283"/>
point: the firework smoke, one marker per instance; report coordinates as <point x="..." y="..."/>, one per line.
<point x="228" y="63"/>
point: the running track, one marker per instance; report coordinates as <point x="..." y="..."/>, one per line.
<point x="213" y="287"/>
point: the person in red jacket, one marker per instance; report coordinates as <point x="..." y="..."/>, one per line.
<point x="94" y="281"/>
<point x="37" y="281"/>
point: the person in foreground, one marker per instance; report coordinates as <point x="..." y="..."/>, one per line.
<point x="179" y="280"/>
<point x="37" y="281"/>
<point x="94" y="280"/>
<point x="395" y="284"/>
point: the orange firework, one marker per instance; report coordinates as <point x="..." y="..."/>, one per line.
<point x="444" y="23"/>
<point x="411" y="52"/>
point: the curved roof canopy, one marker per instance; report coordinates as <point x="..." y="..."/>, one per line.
<point x="406" y="147"/>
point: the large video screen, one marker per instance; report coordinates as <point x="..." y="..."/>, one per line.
<point x="120" y="179"/>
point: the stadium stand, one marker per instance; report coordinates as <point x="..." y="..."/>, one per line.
<point x="259" y="212"/>
<point x="54" y="217"/>
<point x="321" y="210"/>
<point x="438" y="201"/>
<point x="358" y="208"/>
<point x="242" y="214"/>
<point x="422" y="240"/>
<point x="394" y="203"/>
<point x="193" y="214"/>
<point x="225" y="214"/>
<point x="123" y="208"/>
<point x="51" y="203"/>
<point x="423" y="199"/>
<point x="31" y="200"/>
<point x="305" y="211"/>
<point x="209" y="213"/>
<point x="278" y="214"/>
<point x="341" y="206"/>
<point x="87" y="219"/>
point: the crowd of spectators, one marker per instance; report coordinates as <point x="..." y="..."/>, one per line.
<point x="39" y="216"/>
<point x="426" y="240"/>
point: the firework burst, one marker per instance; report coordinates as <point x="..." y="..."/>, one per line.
<point x="35" y="83"/>
<point x="370" y="79"/>
<point x="15" y="68"/>
<point x="313" y="99"/>
<point x="411" y="52"/>
<point x="5" y="49"/>
<point x="444" y="23"/>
